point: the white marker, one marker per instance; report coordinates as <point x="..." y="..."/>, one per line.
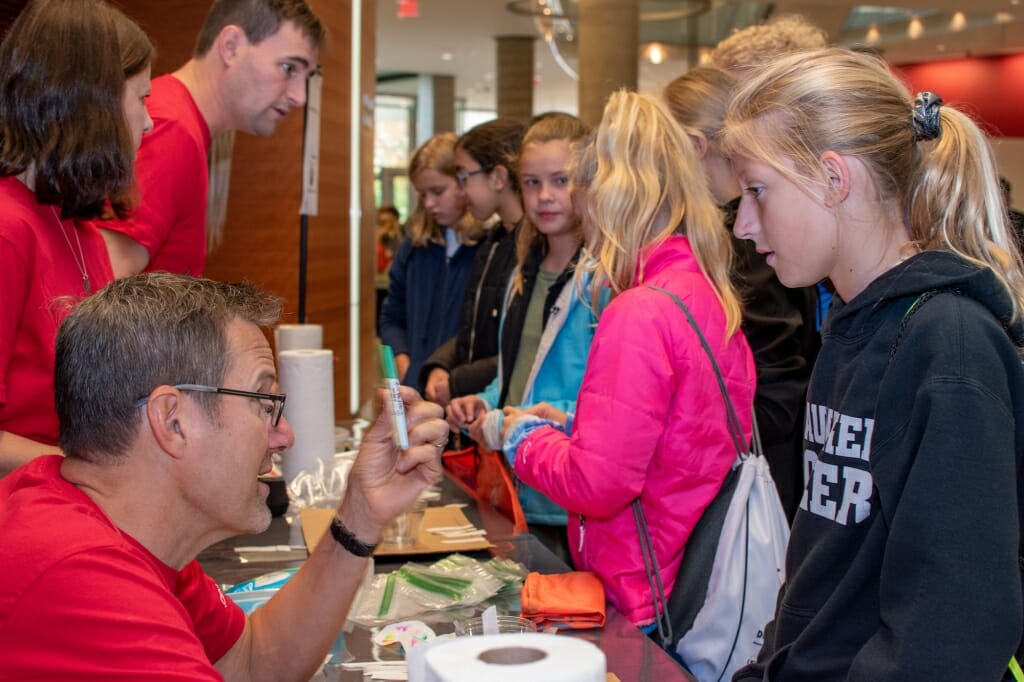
<point x="397" y="407"/>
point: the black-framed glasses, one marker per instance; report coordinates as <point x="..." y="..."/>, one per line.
<point x="274" y="410"/>
<point x="466" y="175"/>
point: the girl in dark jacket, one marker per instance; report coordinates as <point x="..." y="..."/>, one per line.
<point x="430" y="270"/>
<point x="903" y="559"/>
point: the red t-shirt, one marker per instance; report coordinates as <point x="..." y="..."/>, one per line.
<point x="39" y="281"/>
<point x="81" y="600"/>
<point x="173" y="178"/>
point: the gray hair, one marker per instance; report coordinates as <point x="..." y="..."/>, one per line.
<point x="136" y="334"/>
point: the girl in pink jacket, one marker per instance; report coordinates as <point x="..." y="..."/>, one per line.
<point x="650" y="421"/>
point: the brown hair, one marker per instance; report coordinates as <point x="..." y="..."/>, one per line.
<point x="62" y="77"/>
<point x="495" y="143"/>
<point x="258" y="19"/>
<point x="138" y="333"/>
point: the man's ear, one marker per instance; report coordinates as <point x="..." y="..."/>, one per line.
<point x="228" y="43"/>
<point x="837" y="171"/>
<point x="167" y="420"/>
<point x="700" y="142"/>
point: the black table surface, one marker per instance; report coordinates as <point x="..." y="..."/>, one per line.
<point x="630" y="654"/>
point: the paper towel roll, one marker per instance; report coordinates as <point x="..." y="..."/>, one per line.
<point x="307" y="376"/>
<point x="511" y="658"/>
<point x="298" y="336"/>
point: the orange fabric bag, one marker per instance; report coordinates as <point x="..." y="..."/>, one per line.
<point x="564" y="600"/>
<point x="485" y="475"/>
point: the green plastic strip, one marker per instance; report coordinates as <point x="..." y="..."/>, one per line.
<point x="1015" y="670"/>
<point x="430" y="584"/>
<point x="389" y="593"/>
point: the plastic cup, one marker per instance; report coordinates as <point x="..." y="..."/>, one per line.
<point x="404" y="529"/>
<point x="506" y="625"/>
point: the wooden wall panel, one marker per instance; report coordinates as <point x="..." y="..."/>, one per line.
<point x="261" y="235"/>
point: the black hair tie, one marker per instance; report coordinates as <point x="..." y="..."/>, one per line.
<point x="926" y="118"/>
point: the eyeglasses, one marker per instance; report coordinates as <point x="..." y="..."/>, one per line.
<point x="274" y="410"/>
<point x="466" y="175"/>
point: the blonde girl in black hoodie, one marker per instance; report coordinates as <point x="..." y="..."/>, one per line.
<point x="903" y="560"/>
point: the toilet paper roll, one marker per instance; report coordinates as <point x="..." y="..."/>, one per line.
<point x="298" y="336"/>
<point x="307" y="376"/>
<point x="510" y="658"/>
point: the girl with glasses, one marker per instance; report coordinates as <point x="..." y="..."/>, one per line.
<point x="485" y="160"/>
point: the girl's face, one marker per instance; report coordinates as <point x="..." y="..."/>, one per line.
<point x="543" y="171"/>
<point x="797" y="231"/>
<point x="133" y="104"/>
<point x="480" y="196"/>
<point x="440" y="196"/>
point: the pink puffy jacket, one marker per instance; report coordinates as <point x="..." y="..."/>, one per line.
<point x="650" y="421"/>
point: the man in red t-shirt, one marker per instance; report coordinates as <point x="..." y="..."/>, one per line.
<point x="169" y="411"/>
<point x="249" y="68"/>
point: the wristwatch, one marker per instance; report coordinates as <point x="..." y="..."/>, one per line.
<point x="348" y="540"/>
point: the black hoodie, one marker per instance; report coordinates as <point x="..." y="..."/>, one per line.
<point x="903" y="559"/>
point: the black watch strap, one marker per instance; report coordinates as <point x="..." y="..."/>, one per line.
<point x="348" y="540"/>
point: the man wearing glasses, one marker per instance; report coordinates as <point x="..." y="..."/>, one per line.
<point x="169" y="411"/>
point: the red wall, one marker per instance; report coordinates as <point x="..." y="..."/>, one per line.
<point x="991" y="89"/>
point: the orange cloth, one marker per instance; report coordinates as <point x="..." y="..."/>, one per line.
<point x="564" y="600"/>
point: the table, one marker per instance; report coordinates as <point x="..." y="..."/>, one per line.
<point x="631" y="655"/>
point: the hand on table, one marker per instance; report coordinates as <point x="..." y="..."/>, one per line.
<point x="386" y="481"/>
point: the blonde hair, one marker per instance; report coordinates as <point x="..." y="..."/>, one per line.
<point x="747" y="50"/>
<point x="699" y="99"/>
<point x="803" y="105"/>
<point x="548" y="127"/>
<point x="649" y="185"/>
<point x="437" y="153"/>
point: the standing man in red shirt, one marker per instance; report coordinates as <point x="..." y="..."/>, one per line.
<point x="248" y="70"/>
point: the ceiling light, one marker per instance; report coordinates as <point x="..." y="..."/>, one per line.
<point x="447" y="56"/>
<point x="958" y="22"/>
<point x="915" y="28"/>
<point x="655" y="54"/>
<point x="873" y="36"/>
<point x="1003" y="17"/>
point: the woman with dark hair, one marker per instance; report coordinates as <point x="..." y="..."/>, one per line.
<point x="74" y="75"/>
<point x="485" y="164"/>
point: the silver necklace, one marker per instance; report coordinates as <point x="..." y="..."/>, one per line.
<point x="80" y="256"/>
